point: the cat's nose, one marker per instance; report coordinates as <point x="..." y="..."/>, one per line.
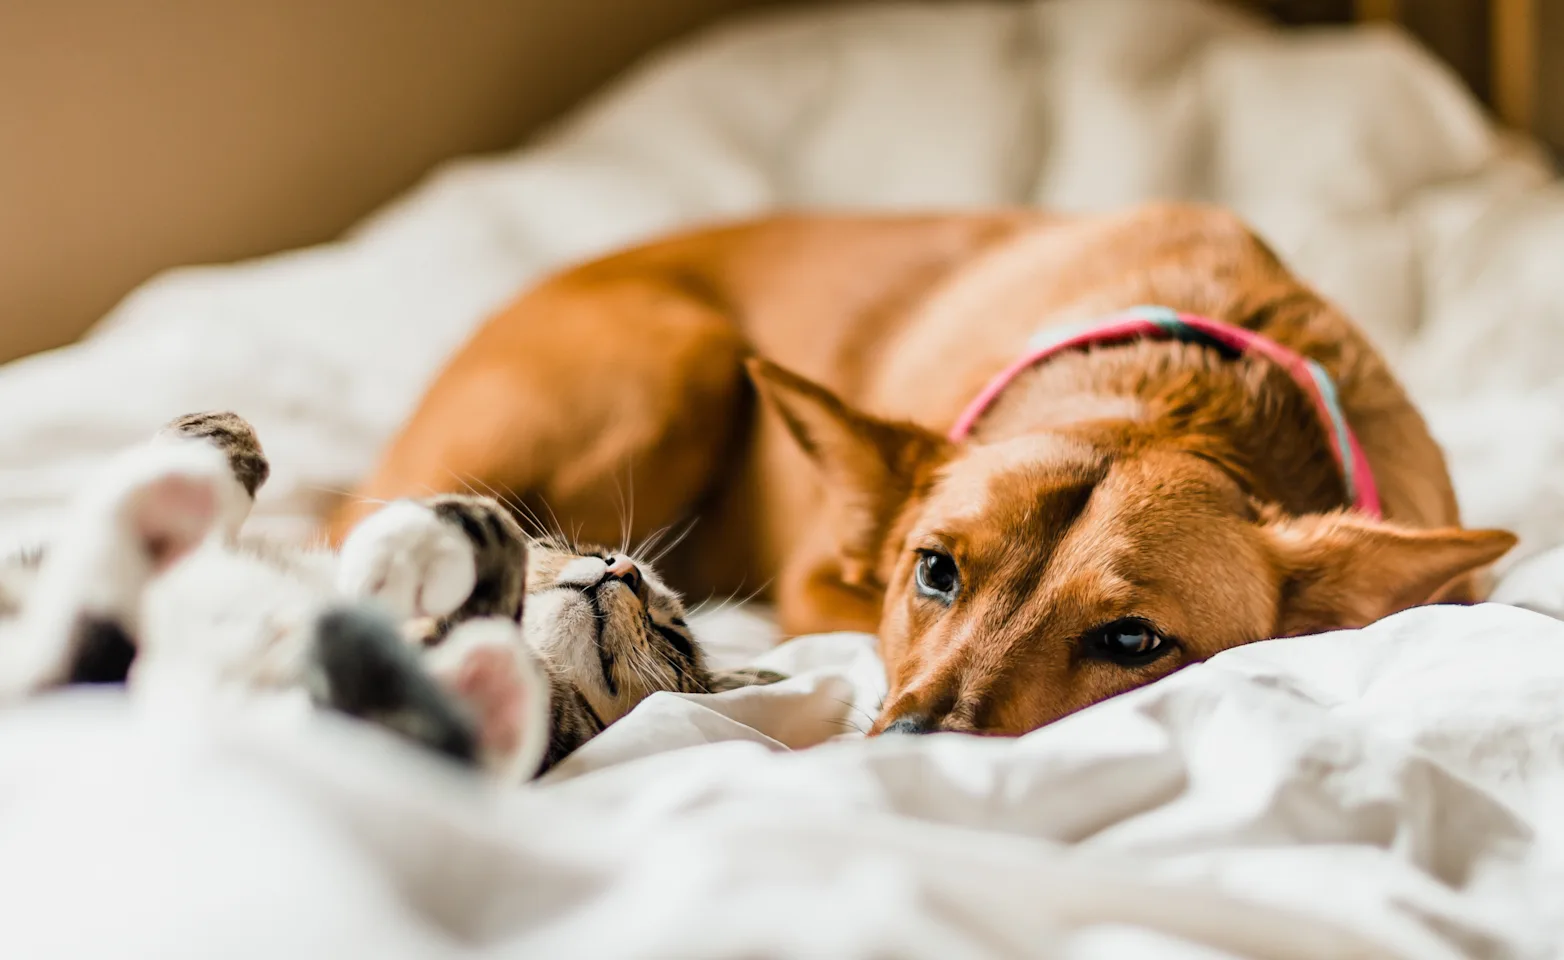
<point x="623" y="569"/>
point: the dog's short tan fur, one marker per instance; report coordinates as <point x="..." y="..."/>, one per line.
<point x="1153" y="480"/>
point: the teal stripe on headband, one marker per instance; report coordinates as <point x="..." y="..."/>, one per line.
<point x="1164" y="317"/>
<point x="1338" y="418"/>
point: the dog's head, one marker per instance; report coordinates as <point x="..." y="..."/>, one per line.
<point x="1026" y="578"/>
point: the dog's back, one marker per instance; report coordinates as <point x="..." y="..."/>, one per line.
<point x="907" y="318"/>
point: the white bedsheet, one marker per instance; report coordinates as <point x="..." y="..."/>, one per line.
<point x="1389" y="792"/>
<point x="1386" y="793"/>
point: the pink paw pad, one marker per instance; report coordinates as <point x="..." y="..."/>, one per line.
<point x="172" y="515"/>
<point x="490" y="682"/>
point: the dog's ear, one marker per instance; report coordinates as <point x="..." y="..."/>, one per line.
<point x="870" y="467"/>
<point x="1341" y="570"/>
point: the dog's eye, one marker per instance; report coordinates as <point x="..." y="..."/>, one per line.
<point x="936" y="575"/>
<point x="1130" y="642"/>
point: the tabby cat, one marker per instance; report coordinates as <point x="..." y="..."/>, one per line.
<point x="439" y="619"/>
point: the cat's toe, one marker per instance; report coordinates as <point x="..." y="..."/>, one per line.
<point x="409" y="560"/>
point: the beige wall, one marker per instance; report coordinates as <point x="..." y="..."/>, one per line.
<point x="139" y="134"/>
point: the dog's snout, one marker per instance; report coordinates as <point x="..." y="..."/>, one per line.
<point x="911" y="723"/>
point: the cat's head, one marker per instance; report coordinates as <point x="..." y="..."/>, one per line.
<point x="615" y="630"/>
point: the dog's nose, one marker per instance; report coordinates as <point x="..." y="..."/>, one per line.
<point x="911" y="723"/>
<point x="623" y="569"/>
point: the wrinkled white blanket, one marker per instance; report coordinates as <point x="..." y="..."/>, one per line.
<point x="1389" y="792"/>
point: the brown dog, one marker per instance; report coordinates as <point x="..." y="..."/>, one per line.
<point x="1116" y="513"/>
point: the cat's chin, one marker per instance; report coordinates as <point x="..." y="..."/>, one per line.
<point x="580" y="639"/>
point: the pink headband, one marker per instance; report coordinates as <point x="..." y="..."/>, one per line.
<point x="1163" y="323"/>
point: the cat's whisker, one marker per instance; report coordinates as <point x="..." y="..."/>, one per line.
<point x="639" y="553"/>
<point x="557" y="525"/>
<point x="730" y="601"/>
<point x="688" y="527"/>
<point x="630" y="512"/>
<point x="531" y="517"/>
<point x="343" y="492"/>
<point x="517" y="507"/>
<point x="551" y="532"/>
<point x="846" y="725"/>
<point x="468" y="481"/>
<point x="487" y="491"/>
<point x="460" y="480"/>
<point x="626" y="503"/>
<point x="853" y="706"/>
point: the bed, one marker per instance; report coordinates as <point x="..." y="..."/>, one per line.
<point x="1389" y="792"/>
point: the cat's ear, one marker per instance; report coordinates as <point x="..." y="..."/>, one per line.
<point x="724" y="680"/>
<point x="1342" y="570"/>
<point x="870" y="467"/>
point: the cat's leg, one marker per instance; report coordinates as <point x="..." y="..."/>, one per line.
<point x="78" y="624"/>
<point x="144" y="511"/>
<point x="478" y="698"/>
<point x="453" y="570"/>
<point x="579" y="401"/>
<point x="437" y="562"/>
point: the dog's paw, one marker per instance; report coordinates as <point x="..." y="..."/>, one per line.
<point x="408" y="559"/>
<point x="488" y="667"/>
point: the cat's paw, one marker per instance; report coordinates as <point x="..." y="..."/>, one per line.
<point x="156" y="504"/>
<point x="146" y="511"/>
<point x="233" y="437"/>
<point x="488" y="667"/>
<point x="360" y="666"/>
<point x="411" y="561"/>
<point x="170" y="515"/>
